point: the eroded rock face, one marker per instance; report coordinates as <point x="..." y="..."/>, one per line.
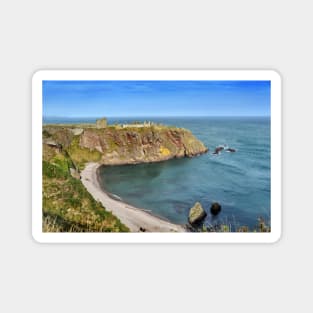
<point x="91" y="140"/>
<point x="62" y="136"/>
<point x="141" y="145"/>
<point x="196" y="214"/>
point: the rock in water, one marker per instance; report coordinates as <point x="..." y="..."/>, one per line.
<point x="218" y="150"/>
<point x="196" y="214"/>
<point x="215" y="208"/>
<point x="231" y="150"/>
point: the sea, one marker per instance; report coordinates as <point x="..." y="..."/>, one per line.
<point x="239" y="181"/>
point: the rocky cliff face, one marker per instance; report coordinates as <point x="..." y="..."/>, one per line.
<point x="116" y="145"/>
<point x="141" y="145"/>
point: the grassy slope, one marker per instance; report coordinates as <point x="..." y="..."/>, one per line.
<point x="67" y="205"/>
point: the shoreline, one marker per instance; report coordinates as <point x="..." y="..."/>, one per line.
<point x="134" y="218"/>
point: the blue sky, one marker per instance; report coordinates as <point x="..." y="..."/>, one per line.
<point x="155" y="98"/>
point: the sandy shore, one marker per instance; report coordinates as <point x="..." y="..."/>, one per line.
<point x="129" y="215"/>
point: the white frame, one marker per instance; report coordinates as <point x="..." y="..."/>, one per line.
<point x="42" y="237"/>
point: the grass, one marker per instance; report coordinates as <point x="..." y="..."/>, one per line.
<point x="67" y="205"/>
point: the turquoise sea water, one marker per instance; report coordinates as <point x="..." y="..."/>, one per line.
<point x="239" y="181"/>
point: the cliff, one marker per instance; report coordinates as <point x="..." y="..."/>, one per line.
<point x="117" y="145"/>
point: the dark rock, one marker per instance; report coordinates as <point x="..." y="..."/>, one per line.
<point x="230" y="150"/>
<point x="196" y="214"/>
<point x="215" y="208"/>
<point x="218" y="150"/>
<point x="142" y="229"/>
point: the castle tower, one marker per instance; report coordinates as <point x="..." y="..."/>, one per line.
<point x="101" y="123"/>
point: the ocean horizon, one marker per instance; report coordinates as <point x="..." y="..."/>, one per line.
<point x="116" y="119"/>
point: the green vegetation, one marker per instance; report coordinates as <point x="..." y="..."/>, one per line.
<point x="58" y="167"/>
<point x="72" y="208"/>
<point x="67" y="205"/>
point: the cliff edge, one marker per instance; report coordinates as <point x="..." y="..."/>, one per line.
<point x="119" y="144"/>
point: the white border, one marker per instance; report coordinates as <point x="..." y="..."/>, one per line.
<point x="271" y="237"/>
